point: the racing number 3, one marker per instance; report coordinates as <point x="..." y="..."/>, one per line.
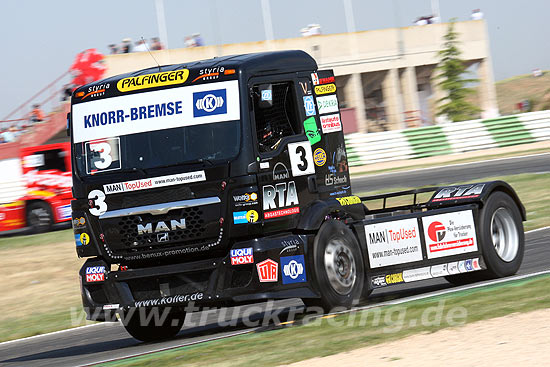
<point x="105" y="158"/>
<point x="301" y="158"/>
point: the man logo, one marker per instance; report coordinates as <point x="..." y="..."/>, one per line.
<point x="280" y="172"/>
<point x="161" y="227"/>
<point x="209" y="103"/>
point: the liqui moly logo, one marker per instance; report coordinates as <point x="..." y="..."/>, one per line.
<point x="242" y="256"/>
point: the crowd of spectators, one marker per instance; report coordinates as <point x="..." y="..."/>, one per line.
<point x="127" y="46"/>
<point x="11" y="131"/>
<point x="194" y="40"/>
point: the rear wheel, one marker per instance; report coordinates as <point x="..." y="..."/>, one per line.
<point x="338" y="267"/>
<point x="502" y="240"/>
<point x="153" y="324"/>
<point x="39" y="217"/>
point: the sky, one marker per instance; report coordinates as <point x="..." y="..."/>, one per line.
<point x="42" y="37"/>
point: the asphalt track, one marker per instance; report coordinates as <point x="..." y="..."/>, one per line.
<point x="92" y="344"/>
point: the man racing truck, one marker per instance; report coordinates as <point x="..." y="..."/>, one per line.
<point x="226" y="181"/>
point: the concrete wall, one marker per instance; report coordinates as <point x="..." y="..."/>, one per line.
<point x="398" y="51"/>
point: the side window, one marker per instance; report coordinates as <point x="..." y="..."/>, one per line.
<point x="53" y="159"/>
<point x="275" y="113"/>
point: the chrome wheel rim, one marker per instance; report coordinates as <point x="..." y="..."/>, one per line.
<point x="340" y="266"/>
<point x="504" y="234"/>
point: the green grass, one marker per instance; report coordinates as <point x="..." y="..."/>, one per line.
<point x="17" y="241"/>
<point x="346" y="332"/>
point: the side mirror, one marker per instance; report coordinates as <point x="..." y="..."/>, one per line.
<point x="253" y="167"/>
<point x="68" y="129"/>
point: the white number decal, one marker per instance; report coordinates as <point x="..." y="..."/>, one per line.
<point x="99" y="201"/>
<point x="301" y="158"/>
<point x="104" y="150"/>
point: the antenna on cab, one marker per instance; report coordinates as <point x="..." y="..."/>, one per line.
<point x="145" y="43"/>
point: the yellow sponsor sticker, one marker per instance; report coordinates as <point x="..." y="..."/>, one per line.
<point x="84" y="239"/>
<point x="394" y="278"/>
<point x="325" y="88"/>
<point x="252" y="216"/>
<point x="153" y="80"/>
<point x="349" y="200"/>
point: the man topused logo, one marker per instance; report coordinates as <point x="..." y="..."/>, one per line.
<point x="153" y="80"/>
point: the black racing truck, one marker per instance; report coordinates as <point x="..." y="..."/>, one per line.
<point x="226" y="181"/>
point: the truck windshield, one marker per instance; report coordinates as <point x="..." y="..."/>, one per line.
<point x="208" y="142"/>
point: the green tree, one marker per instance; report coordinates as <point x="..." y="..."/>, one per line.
<point x="455" y="105"/>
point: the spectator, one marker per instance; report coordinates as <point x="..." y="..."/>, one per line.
<point x="126" y="46"/>
<point x="36" y="114"/>
<point x="8" y="136"/>
<point x="477" y="14"/>
<point x="67" y="92"/>
<point x="141" y="46"/>
<point x="113" y="48"/>
<point x="156" y="45"/>
<point x="198" y="39"/>
<point x="189" y="41"/>
<point x="537" y="72"/>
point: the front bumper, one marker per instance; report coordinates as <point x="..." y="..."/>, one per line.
<point x="210" y="282"/>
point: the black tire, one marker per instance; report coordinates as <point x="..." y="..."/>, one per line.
<point x="500" y="221"/>
<point x="336" y="244"/>
<point x="135" y="323"/>
<point x="39" y="217"/>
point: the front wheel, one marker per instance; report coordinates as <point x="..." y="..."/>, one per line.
<point x="39" y="217"/>
<point x="502" y="240"/>
<point x="153" y="324"/>
<point x="338" y="267"/>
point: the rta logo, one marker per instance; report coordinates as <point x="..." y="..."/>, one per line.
<point x="436" y="231"/>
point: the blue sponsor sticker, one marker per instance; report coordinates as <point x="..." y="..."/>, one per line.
<point x="293" y="269"/>
<point x="64" y="212"/>
<point x="309" y="106"/>
<point x="469" y="265"/>
<point x="239" y="217"/>
<point x="77" y="240"/>
<point x="267" y="95"/>
<point x="208" y="103"/>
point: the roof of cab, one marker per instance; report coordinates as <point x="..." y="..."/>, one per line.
<point x="252" y="64"/>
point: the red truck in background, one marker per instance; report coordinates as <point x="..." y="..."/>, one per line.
<point x="39" y="194"/>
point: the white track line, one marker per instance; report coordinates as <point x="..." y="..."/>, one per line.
<point x="365" y="175"/>
<point x="369" y="306"/>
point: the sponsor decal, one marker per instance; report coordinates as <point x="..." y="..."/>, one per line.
<point x="335" y="179"/>
<point x="239" y="217"/>
<point x="209" y="73"/>
<point x="79" y="222"/>
<point x="468" y="265"/>
<point x="114" y="306"/>
<point x="264" y="165"/>
<point x="439" y="270"/>
<point x="452" y="268"/>
<point x="150" y="183"/>
<point x="289" y="246"/>
<point x="155" y="110"/>
<point x="315" y="78"/>
<point x="169" y="300"/>
<point x="449" y="234"/>
<point x="267" y="95"/>
<point x="153" y="80"/>
<point x="95" y="91"/>
<point x="279" y="196"/>
<point x="95" y="274"/>
<point x="293" y="269"/>
<point x="325" y="89"/>
<point x="458" y="192"/>
<point x="331" y="123"/>
<point x="475" y="264"/>
<point x="161" y="226"/>
<point x="267" y="271"/>
<point x="242" y="256"/>
<point x="64" y="212"/>
<point x="280" y="172"/>
<point x="320" y="157"/>
<point x="413" y="275"/>
<point x="281" y="213"/>
<point x="378" y="281"/>
<point x="252" y="216"/>
<point x="309" y="106"/>
<point x="305" y="88"/>
<point x="210" y="102"/>
<point x="301" y="158"/>
<point x="349" y="200"/>
<point x="391" y="243"/>
<point x="312" y="132"/>
<point x="394" y="278"/>
<point x="245" y="199"/>
<point x="327" y="104"/>
<point x="82" y="239"/>
<point x="462" y="266"/>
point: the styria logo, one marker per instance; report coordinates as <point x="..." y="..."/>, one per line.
<point x="209" y="103"/>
